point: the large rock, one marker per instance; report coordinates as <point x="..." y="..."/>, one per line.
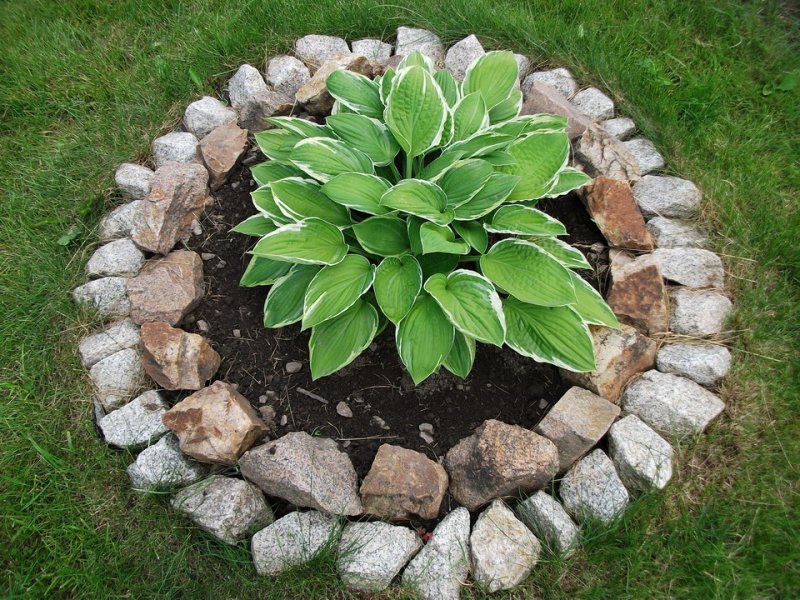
<point x="306" y="471"/>
<point x="560" y="80"/>
<point x="178" y="146"/>
<point x="314" y="95"/>
<point x="230" y="509"/>
<point x="120" y="258"/>
<point x="175" y="359"/>
<point x="638" y="294"/>
<point x="667" y="196"/>
<point x="370" y="555"/>
<point x="117" y="378"/>
<point x="94" y="348"/>
<point x="221" y="149"/>
<point x="616" y="214"/>
<point x="698" y="312"/>
<point x="136" y="424"/>
<point x="441" y="568"/>
<point x="133" y="181"/>
<point x="108" y="296"/>
<point x="642" y="457"/>
<point x="594" y="104"/>
<point x="545" y="516"/>
<point x="620" y="127"/>
<point x="576" y="423"/>
<point x="292" y="540"/>
<point x="286" y="75"/>
<point x="119" y="222"/>
<point x="167" y="289"/>
<point x="205" y="115"/>
<point x="705" y="364"/>
<point x="542" y="98"/>
<point x="411" y="39"/>
<point x="499" y="460"/>
<point x="402" y="483"/>
<point x="674" y="233"/>
<point x="254" y="100"/>
<point x="163" y="466"/>
<point x="315" y="50"/>
<point x="461" y="55"/>
<point x="670" y="404"/>
<point x="375" y="50"/>
<point x="692" y="267"/>
<point x="603" y="154"/>
<point x="619" y="354"/>
<point x="592" y="490"/>
<point x="523" y="66"/>
<point x="216" y="424"/>
<point x="503" y="550"/>
<point x="178" y="196"/>
<point x="647" y="156"/>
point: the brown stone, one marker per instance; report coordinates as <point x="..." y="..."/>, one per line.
<point x="221" y="150"/>
<point x="614" y="210"/>
<point x="543" y="98"/>
<point x="178" y="195"/>
<point x="402" y="483"/>
<point x="165" y="290"/>
<point x="576" y="423"/>
<point x="215" y="425"/>
<point x="175" y="359"/>
<point x="314" y="93"/>
<point x="619" y="356"/>
<point x="603" y="154"/>
<point x="499" y="460"/>
<point x="638" y="294"/>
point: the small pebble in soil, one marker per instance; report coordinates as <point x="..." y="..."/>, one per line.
<point x="197" y="228"/>
<point x="235" y="185"/>
<point x="189" y="319"/>
<point x="426" y="428"/>
<point x="343" y="410"/>
<point x="237" y="333"/>
<point x="262" y="399"/>
<point x="284" y="420"/>
<point x="426" y="436"/>
<point x="202" y="326"/>
<point x="345" y="443"/>
<point x="378" y="422"/>
<point x="208" y="255"/>
<point x="268" y="415"/>
<point x="542" y="403"/>
<point x="373" y="346"/>
<point x="293" y="366"/>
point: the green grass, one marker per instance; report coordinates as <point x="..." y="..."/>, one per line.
<point x="85" y="85"/>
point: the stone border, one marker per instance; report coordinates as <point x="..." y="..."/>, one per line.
<point x="666" y="287"/>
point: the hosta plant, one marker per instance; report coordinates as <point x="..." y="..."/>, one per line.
<point x="413" y="207"/>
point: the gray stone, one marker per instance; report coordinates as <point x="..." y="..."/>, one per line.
<point x="255" y="102"/>
<point x="291" y="540"/>
<point x="119" y="222"/>
<point x="667" y="196"/>
<point x="372" y="554"/>
<point x="136" y="424"/>
<point x="133" y="181"/>
<point x="287" y="74"/>
<point x="204" y="115"/>
<point x="542" y="98"/>
<point x="293" y="366"/>
<point x="673" y="233"/>
<point x="411" y="39"/>
<point x="547" y="519"/>
<point x="178" y="146"/>
<point x="163" y="466"/>
<point x="375" y="50"/>
<point x="314" y="50"/>
<point x="227" y="508"/>
<point x="96" y="347"/>
<point x="642" y="457"/>
<point x="118" y="258"/>
<point x="441" y="568"/>
<point x="646" y="153"/>
<point x="670" y="404"/>
<point x="698" y="312"/>
<point x="461" y="55"/>
<point x="559" y="79"/>
<point x="594" y="103"/>
<point x="621" y="127"/>
<point x="692" y="267"/>
<point x="592" y="490"/>
<point x="344" y="410"/>
<point x="503" y="550"/>
<point x="108" y="296"/>
<point x="603" y="154"/>
<point x="117" y="377"/>
<point x="704" y="363"/>
<point x="523" y="64"/>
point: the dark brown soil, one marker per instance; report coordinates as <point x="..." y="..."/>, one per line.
<point x="386" y="406"/>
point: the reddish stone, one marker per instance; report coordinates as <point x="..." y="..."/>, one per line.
<point x="221" y="150"/>
<point x="638" y="294"/>
<point x="614" y="210"/>
<point x="543" y="98"/>
<point x="175" y="359"/>
<point x="165" y="290"/>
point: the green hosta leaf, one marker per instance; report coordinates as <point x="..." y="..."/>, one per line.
<point x="461" y="357"/>
<point x="481" y="144"/>
<point x="413" y="225"/>
<point x="521" y="220"/>
<point x="272" y="170"/>
<point x="447" y="132"/>
<point x="340" y="109"/>
<point x="435" y="239"/>
<point x="299" y="199"/>
<point x="256" y="225"/>
<point x="301" y="127"/>
<point x="448" y="85"/>
<point x="499" y="158"/>
<point x="473" y="233"/>
<point x="507" y="109"/>
<point x="530" y="123"/>
<point x="469" y="116"/>
<point x="357" y="92"/>
<point x="324" y="158"/>
<point x="471" y="303"/>
<point x="416" y="59"/>
<point x="490" y="196"/>
<point x="335" y="288"/>
<point x="416" y="110"/>
<point x="568" y="179"/>
<point x="277" y="144"/>
<point x="590" y="304"/>
<point x="384" y="236"/>
<point x="464" y="180"/>
<point x="421" y="198"/>
<point x="338" y="341"/>
<point x="397" y="284"/>
<point x="439" y="166"/>
<point x="493" y="75"/>
<point x="358" y="191"/>
<point x="284" y="304"/>
<point x="310" y="241"/>
<point x="385" y="85"/>
<point x="554" y="335"/>
<point x="264" y="202"/>
<point x="529" y="273"/>
<point x="424" y="338"/>
<point x="263" y="271"/>
<point x="437" y="263"/>
<point x="365" y="134"/>
<point x="568" y="256"/>
<point x="540" y="157"/>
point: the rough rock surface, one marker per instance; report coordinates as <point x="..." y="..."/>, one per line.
<point x="698" y="312"/>
<point x="524" y="66"/>
<point x="692" y="267"/>
<point x="592" y="490"/>
<point x="372" y="554"/>
<point x="674" y="233"/>
<point x="175" y="359"/>
<point x="286" y="75"/>
<point x="108" y="296"/>
<point x="306" y="471"/>
<point x="619" y="355"/>
<point x="167" y="289"/>
<point x="503" y="550"/>
<point x="227" y="508"/>
<point x="315" y="50"/>
<point x="441" y="568"/>
<point x="646" y="154"/>
<point x="576" y="423"/>
<point x="611" y="204"/>
<point x="603" y="154"/>
<point x="120" y="258"/>
<point x="705" y="364"/>
<point x="638" y="294"/>
<point x="542" y="98"/>
<point x="594" y="103"/>
<point x="221" y="149"/>
<point x="178" y="146"/>
<point x="291" y="540"/>
<point x="667" y="196"/>
<point x="254" y="100"/>
<point x="621" y="127"/>
<point x="117" y="378"/>
<point x="205" y="115"/>
<point x="560" y="80"/>
<point x="119" y="222"/>
<point x="402" y="483"/>
<point x="410" y="39"/>
<point x="498" y="460"/>
<point x="642" y="457"/>
<point x="136" y="424"/>
<point x="545" y="516"/>
<point x="375" y="50"/>
<point x="461" y="55"/>
<point x="164" y="466"/>
<point x="670" y="404"/>
<point x="94" y="348"/>
<point x="314" y="95"/>
<point x="133" y="181"/>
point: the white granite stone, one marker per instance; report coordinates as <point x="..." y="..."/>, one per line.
<point x="667" y="196"/>
<point x="559" y="79"/>
<point x="120" y="258"/>
<point x="592" y="490"/>
<point x="594" y="103"/>
<point x="646" y="154"/>
<point x="163" y="466"/>
<point x="204" y="115"/>
<point x="461" y="55"/>
<point x="94" y="348"/>
<point x="178" y="146"/>
<point x="291" y="540"/>
<point x="133" y="181"/>
<point x="138" y="423"/>
<point x="545" y="516"/>
<point x="642" y="457"/>
<point x="117" y="378"/>
<point x="108" y="296"/>
<point x="705" y="364"/>
<point x="698" y="312"/>
<point x="674" y="233"/>
<point x="411" y="39"/>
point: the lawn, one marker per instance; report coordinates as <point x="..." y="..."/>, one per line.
<point x="85" y="85"/>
